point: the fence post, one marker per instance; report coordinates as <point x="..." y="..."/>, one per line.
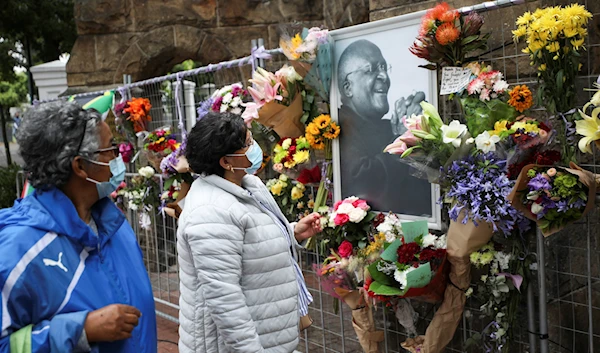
<point x="543" y="307"/>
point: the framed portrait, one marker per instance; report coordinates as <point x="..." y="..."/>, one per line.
<point x="377" y="81"/>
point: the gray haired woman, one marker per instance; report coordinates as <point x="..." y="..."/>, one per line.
<point x="71" y="271"/>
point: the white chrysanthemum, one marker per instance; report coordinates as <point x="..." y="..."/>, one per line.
<point x="400" y="276"/>
<point x="503" y="259"/>
<point x="286" y="143"/>
<point x="227" y="98"/>
<point x="429" y="240"/>
<point x="235" y="102"/>
<point x="440" y="242"/>
<point x="500" y="86"/>
<point x="132" y="206"/>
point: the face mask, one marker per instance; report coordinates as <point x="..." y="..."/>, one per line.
<point x="117" y="169"/>
<point x="254" y="155"/>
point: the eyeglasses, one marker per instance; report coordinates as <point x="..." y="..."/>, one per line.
<point x="114" y="149"/>
<point x="368" y="69"/>
<point x="248" y="144"/>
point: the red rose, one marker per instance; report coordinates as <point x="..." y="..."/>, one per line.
<point x="407" y="252"/>
<point x="379" y="219"/>
<point x="292" y="149"/>
<point x="345" y="249"/>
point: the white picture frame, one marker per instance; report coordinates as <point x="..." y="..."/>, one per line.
<point x="400" y="33"/>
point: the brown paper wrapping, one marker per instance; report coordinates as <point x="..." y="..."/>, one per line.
<point x="362" y="320"/>
<point x="587" y="178"/>
<point x="463" y="239"/>
<point x="284" y="120"/>
<point x="301" y="68"/>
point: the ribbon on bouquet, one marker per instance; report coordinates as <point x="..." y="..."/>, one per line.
<point x="257" y="53"/>
<point x="569" y="128"/>
<point x="180" y="124"/>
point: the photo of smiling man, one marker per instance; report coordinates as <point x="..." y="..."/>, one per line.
<point x="364" y="83"/>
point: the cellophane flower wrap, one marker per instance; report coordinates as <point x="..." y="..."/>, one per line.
<point x="159" y="144"/>
<point x="290" y="155"/>
<point x="411" y="265"/>
<point x="485" y="100"/>
<point x="310" y="52"/>
<point x="293" y="198"/>
<point x="555" y="37"/>
<point x="447" y="38"/>
<point x="554" y="197"/>
<point x="478" y="186"/>
<point x="227" y="99"/>
<point x="429" y="143"/>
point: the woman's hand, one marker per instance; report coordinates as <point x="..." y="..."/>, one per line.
<point x="307" y="227"/>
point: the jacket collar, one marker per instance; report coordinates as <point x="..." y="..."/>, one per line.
<point x="60" y="208"/>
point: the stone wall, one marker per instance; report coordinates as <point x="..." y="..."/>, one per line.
<point x="145" y="38"/>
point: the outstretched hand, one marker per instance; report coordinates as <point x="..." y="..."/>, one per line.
<point x="308" y="227"/>
<point x="405" y="107"/>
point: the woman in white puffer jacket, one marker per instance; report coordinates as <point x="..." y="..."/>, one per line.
<point x="241" y="287"/>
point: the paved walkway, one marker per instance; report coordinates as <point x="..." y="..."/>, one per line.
<point x="14" y="153"/>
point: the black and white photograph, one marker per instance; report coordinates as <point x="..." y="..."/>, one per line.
<point x="376" y="83"/>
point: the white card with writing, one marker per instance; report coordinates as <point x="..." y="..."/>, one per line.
<point x="454" y="79"/>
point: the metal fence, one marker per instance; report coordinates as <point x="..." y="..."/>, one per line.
<point x="571" y="263"/>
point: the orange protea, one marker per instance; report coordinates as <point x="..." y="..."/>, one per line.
<point x="447" y="33"/>
<point x="137" y="110"/>
<point x="439" y="10"/>
<point x="521" y="98"/>
<point x="449" y="16"/>
<point x="427" y="25"/>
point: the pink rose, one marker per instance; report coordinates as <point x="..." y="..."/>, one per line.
<point x="113" y="194"/>
<point x="362" y="204"/>
<point x="341" y="219"/>
<point x="337" y="205"/>
<point x="345" y="249"/>
<point x="396" y="147"/>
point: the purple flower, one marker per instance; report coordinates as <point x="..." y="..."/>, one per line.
<point x="204" y="108"/>
<point x="539" y="183"/>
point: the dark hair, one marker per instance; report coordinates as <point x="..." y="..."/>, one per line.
<point x="51" y="136"/>
<point x="214" y="136"/>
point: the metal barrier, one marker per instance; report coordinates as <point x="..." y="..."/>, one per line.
<point x="568" y="314"/>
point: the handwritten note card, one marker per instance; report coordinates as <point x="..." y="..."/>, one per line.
<point x="454" y="79"/>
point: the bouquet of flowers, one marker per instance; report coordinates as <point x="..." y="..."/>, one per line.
<point x="428" y="143"/>
<point x="447" y="38"/>
<point x="289" y="153"/>
<point x="291" y="196"/>
<point x="134" y="114"/>
<point x="277" y="101"/>
<point x="411" y="265"/>
<point x="227" y="99"/>
<point x="484" y="100"/>
<point x="319" y="134"/>
<point x="159" y="144"/>
<point x="478" y="186"/>
<point x="311" y="55"/>
<point x="553" y="197"/>
<point x="555" y="38"/>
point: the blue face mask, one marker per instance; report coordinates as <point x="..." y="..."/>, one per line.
<point x="254" y="155"/>
<point x="117" y="169"/>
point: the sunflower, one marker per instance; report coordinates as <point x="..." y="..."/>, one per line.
<point x="312" y="129"/>
<point x="333" y="133"/>
<point x="322" y="121"/>
<point x="521" y="98"/>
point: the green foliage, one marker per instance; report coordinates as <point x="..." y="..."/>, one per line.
<point x="186" y="65"/>
<point x="8" y="185"/>
<point x="14" y="92"/>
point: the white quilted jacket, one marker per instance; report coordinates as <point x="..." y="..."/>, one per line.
<point x="238" y="287"/>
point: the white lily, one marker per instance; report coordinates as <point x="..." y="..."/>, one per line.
<point x="589" y="128"/>
<point x="486" y="142"/>
<point x="454" y="132"/>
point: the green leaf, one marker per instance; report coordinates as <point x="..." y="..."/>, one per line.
<point x="378" y="276"/>
<point x="284" y="201"/>
<point x="469" y="39"/>
<point x="168" y="184"/>
<point x="390" y="254"/>
<point x="559" y="80"/>
<point x="382" y="289"/>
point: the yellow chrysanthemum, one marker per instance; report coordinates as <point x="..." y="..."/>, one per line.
<point x="553" y="47"/>
<point x="301" y="157"/>
<point x="525" y="19"/>
<point x="289" y="164"/>
<point x="521" y="31"/>
<point x="578" y="43"/>
<point x="499" y="127"/>
<point x="570" y="32"/>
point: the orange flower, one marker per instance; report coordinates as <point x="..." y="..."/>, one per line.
<point x="521" y="98"/>
<point x="439" y="10"/>
<point x="138" y="109"/>
<point x="447" y="33"/>
<point x="449" y="16"/>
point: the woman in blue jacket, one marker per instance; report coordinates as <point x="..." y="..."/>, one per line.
<point x="71" y="272"/>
